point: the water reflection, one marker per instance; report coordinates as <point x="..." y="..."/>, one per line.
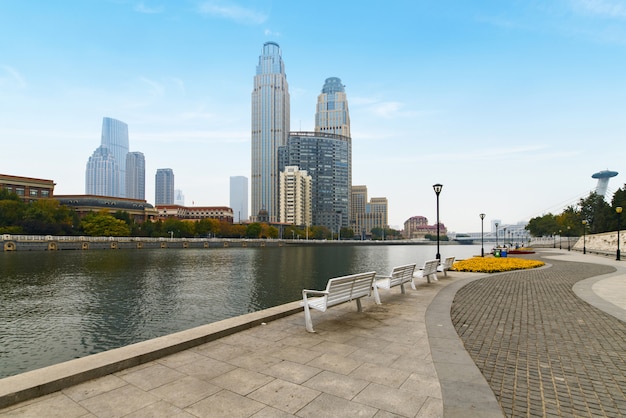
<point x="55" y="306"/>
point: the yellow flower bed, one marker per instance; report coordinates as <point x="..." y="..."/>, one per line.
<point x="495" y="264"/>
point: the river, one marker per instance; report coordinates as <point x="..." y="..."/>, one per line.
<point x="60" y="305"/>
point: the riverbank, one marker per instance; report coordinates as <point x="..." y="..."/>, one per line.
<point x="83" y="243"/>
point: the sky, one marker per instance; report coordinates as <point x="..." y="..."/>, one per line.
<point x="511" y="105"/>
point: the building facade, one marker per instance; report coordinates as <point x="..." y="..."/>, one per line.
<point x="139" y="210"/>
<point x="164" y="187"/>
<point x="295" y="196"/>
<point x="115" y="138"/>
<point x="416" y="227"/>
<point x="102" y="173"/>
<point x="239" y="198"/>
<point x="367" y="215"/>
<point x="332" y="115"/>
<point x="27" y="188"/>
<point x="326" y="158"/>
<point x="195" y="213"/>
<point x="135" y="176"/>
<point x="270" y="129"/>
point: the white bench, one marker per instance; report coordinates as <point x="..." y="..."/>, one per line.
<point x="338" y="290"/>
<point x="428" y="271"/>
<point x="398" y="277"/>
<point x="446" y="265"/>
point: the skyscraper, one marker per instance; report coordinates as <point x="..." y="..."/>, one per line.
<point x="115" y="138"/>
<point x="164" y="187"/>
<point x="325" y="157"/>
<point x="270" y="129"/>
<point x="332" y="114"/>
<point x="135" y="175"/>
<point x="102" y="174"/>
<point x="239" y="198"/>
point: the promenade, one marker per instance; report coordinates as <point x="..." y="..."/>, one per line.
<point x="542" y="342"/>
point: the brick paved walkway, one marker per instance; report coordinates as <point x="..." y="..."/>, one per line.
<point x="544" y="351"/>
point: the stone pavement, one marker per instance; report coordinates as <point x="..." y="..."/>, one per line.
<point x="401" y="358"/>
<point x="543" y="350"/>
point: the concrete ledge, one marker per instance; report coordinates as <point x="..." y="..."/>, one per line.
<point x="25" y="386"/>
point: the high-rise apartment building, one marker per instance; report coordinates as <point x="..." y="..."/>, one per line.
<point x="326" y="158"/>
<point x="332" y="114"/>
<point x="295" y="196"/>
<point x="367" y="215"/>
<point x="102" y="174"/>
<point x="164" y="187"/>
<point x="115" y="138"/>
<point x="270" y="129"/>
<point x="358" y="202"/>
<point x="135" y="176"/>
<point x="239" y="198"/>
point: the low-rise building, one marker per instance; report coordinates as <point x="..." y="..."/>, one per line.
<point x="27" y="188"/>
<point x="194" y="213"/>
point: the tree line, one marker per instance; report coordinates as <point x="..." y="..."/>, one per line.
<point x="598" y="216"/>
<point x="49" y="217"/>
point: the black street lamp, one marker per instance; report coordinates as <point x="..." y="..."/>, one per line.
<point x="496" y="234"/>
<point x="437" y="188"/>
<point x="504" y="238"/>
<point x="568" y="234"/>
<point x="619" y="218"/>
<point x="482" y="235"/>
<point x="585" y="236"/>
<point x="554" y="240"/>
<point x="560" y="239"/>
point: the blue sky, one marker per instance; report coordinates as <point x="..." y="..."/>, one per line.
<point x="511" y="105"/>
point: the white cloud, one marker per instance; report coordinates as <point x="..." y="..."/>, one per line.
<point x="603" y="8"/>
<point x="141" y="7"/>
<point x="231" y="11"/>
<point x="11" y="77"/>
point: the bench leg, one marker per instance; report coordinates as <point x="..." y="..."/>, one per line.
<point x="413" y="283"/>
<point x="376" y="295"/>
<point x="359" y="308"/>
<point x="308" y="323"/>
<point x="402" y="288"/>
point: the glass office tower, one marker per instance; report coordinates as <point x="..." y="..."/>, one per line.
<point x="115" y="138"/>
<point x="332" y="114"/>
<point x="325" y="157"/>
<point x="270" y="129"/>
<point x="164" y="187"/>
<point x="135" y="176"/>
<point x="102" y="174"/>
<point x="239" y="198"/>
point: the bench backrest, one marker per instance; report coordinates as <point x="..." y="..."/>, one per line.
<point x="430" y="267"/>
<point x="448" y="262"/>
<point x="347" y="288"/>
<point x="402" y="274"/>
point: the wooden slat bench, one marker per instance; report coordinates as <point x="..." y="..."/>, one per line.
<point x="338" y="290"/>
<point x="398" y="277"/>
<point x="428" y="271"/>
<point x="446" y="265"/>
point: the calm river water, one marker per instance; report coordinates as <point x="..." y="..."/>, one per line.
<point x="60" y="305"/>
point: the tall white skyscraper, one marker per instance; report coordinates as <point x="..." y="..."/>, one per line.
<point x="239" y="198"/>
<point x="179" y="197"/>
<point x="102" y="174"/>
<point x="164" y="187"/>
<point x="115" y="138"/>
<point x="135" y="176"/>
<point x="332" y="115"/>
<point x="270" y="129"/>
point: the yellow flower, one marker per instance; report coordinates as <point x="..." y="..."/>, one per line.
<point x="495" y="264"/>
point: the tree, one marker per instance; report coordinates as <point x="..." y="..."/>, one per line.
<point x="542" y="226"/>
<point x="253" y="230"/>
<point x="11" y="212"/>
<point x="104" y="224"/>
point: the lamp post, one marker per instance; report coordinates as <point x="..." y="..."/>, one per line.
<point x="584" y="236"/>
<point x="496" y="234"/>
<point x="560" y="239"/>
<point x="619" y="218"/>
<point x="554" y="239"/>
<point x="568" y="234"/>
<point x="437" y="188"/>
<point x="504" y="238"/>
<point x="482" y="235"/>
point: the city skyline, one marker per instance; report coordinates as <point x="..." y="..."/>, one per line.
<point x="510" y="105"/>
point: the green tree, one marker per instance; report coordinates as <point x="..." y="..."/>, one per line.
<point x="543" y="226"/>
<point x="11" y="212"/>
<point x="253" y="230"/>
<point x="104" y="224"/>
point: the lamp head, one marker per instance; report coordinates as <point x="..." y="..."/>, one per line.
<point x="585" y="222"/>
<point x="437" y="188"/>
<point x="618" y="209"/>
<point x="482" y="216"/>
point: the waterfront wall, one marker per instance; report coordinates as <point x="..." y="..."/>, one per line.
<point x="604" y="244"/>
